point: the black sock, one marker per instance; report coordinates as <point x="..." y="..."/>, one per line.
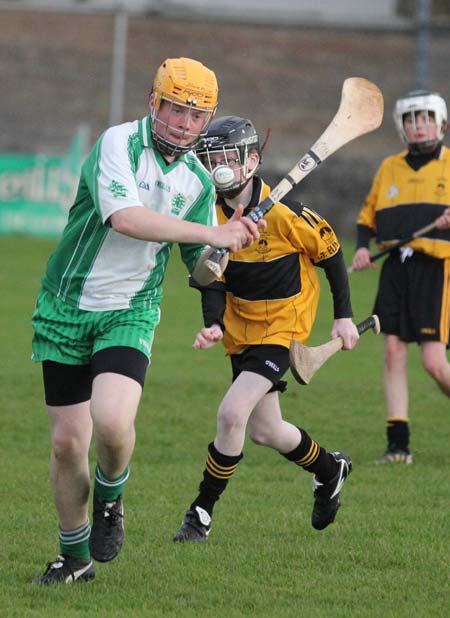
<point x="397" y="432"/>
<point x="218" y="471"/>
<point x="310" y="456"/>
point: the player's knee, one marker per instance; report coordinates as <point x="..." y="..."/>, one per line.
<point x="259" y="436"/>
<point x="67" y="447"/>
<point x="115" y="432"/>
<point x="395" y="353"/>
<point x="435" y="368"/>
<point x="229" y="419"/>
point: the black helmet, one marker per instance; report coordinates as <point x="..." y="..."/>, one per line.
<point x="235" y="137"/>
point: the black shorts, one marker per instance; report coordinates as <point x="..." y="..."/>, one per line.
<point x="269" y="361"/>
<point x="413" y="299"/>
<point x="67" y="385"/>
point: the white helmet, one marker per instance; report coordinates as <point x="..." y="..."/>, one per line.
<point x="417" y="101"/>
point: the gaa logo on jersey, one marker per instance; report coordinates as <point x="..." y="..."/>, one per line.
<point x="392" y="192"/>
<point x="178" y="203"/>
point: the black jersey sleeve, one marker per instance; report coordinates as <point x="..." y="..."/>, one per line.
<point x="364" y="235"/>
<point x="213" y="301"/>
<point x="336" y="273"/>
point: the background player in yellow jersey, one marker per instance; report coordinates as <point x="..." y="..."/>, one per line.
<point x="268" y="296"/>
<point x="410" y="190"/>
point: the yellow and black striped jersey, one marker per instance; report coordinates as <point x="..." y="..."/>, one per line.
<point x="403" y="200"/>
<point x="272" y="287"/>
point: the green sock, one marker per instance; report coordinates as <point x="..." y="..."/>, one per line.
<point x="109" y="489"/>
<point x="75" y="543"/>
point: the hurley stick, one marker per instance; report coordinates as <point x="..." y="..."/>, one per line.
<point x="360" y="111"/>
<point x="400" y="243"/>
<point x="305" y="361"/>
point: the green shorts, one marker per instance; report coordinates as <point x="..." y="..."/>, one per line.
<point x="69" y="335"/>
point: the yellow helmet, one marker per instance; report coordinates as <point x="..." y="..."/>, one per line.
<point x="185" y="82"/>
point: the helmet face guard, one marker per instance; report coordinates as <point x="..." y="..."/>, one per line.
<point x="186" y="83"/>
<point x="421" y="101"/>
<point x="161" y="130"/>
<point x="234" y="138"/>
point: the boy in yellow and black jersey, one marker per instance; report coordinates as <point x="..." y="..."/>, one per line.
<point x="408" y="192"/>
<point x="268" y="296"/>
<point x="272" y="287"/>
<point x="411" y="189"/>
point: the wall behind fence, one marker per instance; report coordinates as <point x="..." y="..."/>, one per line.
<point x="57" y="71"/>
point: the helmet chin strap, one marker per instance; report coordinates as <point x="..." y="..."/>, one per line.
<point x="426" y="147"/>
<point x="230" y="194"/>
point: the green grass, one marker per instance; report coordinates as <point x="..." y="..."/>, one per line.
<point x="386" y="556"/>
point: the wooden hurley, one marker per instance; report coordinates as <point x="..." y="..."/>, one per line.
<point x="360" y="111"/>
<point x="305" y="361"/>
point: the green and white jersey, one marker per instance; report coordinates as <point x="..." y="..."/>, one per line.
<point x="94" y="267"/>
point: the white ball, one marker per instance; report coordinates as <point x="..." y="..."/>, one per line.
<point x="222" y="177"/>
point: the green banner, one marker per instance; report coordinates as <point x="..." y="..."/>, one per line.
<point x="36" y="191"/>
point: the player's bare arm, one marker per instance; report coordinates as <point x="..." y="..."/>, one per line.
<point x="144" y="224"/>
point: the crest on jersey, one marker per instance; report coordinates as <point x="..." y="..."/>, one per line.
<point x="326" y="233"/>
<point x="117" y="189"/>
<point x="392" y="192"/>
<point x="178" y="203"/>
<point x="263" y="244"/>
<point x="441" y="187"/>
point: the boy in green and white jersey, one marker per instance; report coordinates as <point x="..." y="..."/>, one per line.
<point x="97" y="268"/>
<point x="141" y="189"/>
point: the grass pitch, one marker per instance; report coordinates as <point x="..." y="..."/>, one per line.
<point x="386" y="556"/>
